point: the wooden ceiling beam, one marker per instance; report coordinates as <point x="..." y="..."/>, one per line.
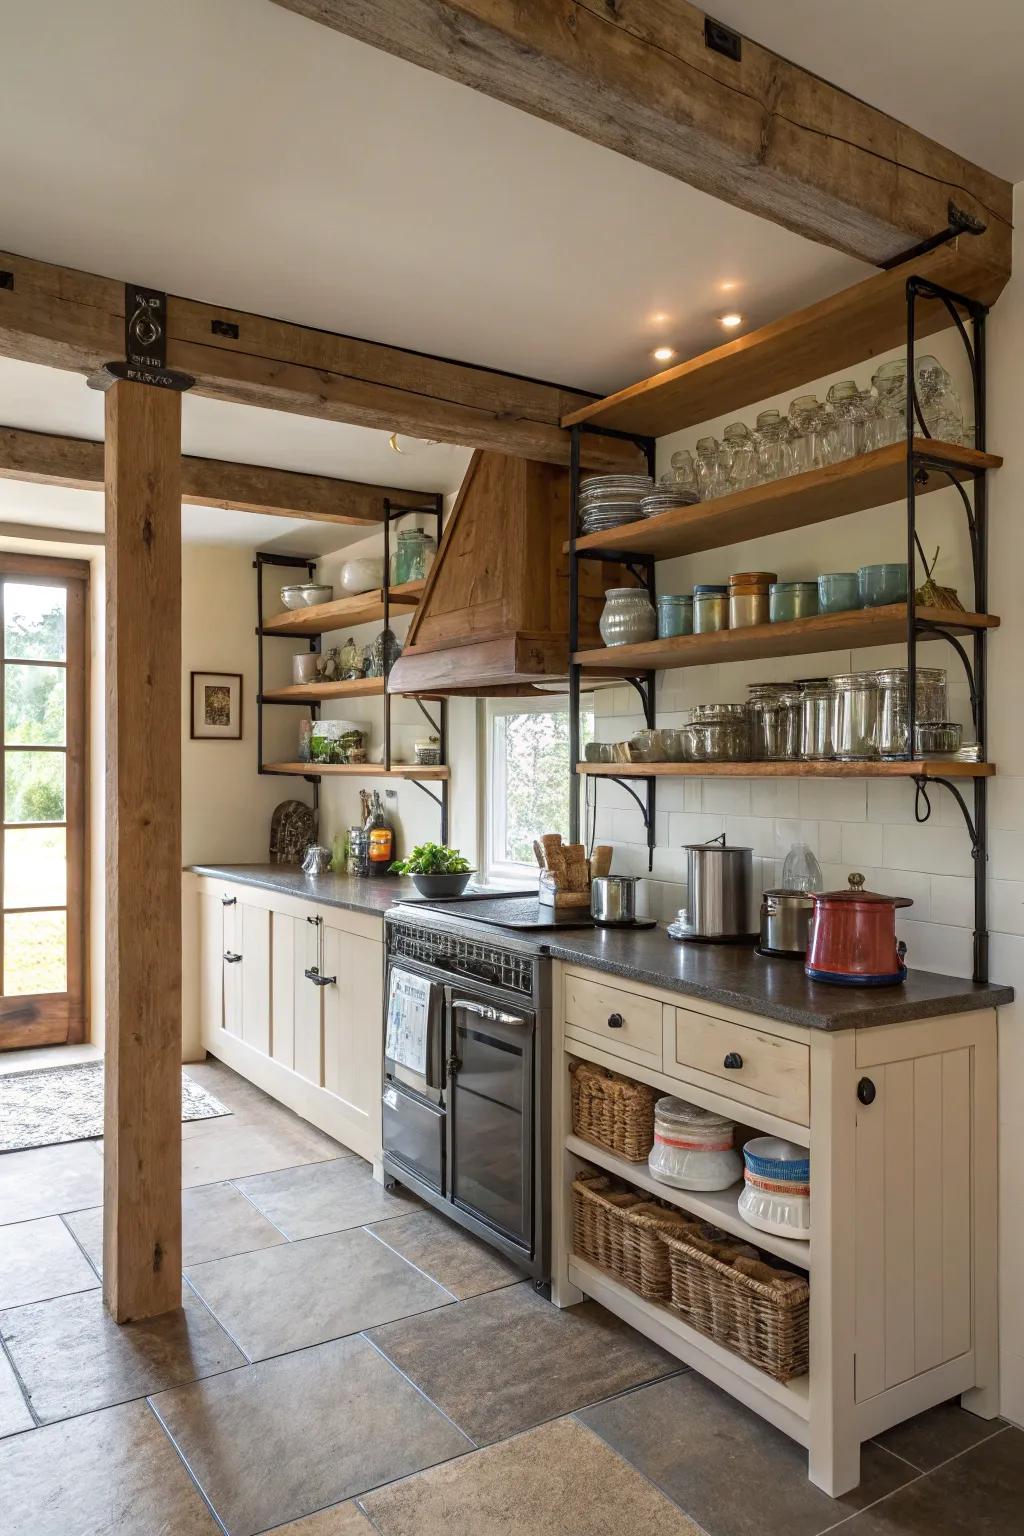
<point x="46" y="459"/>
<point x="74" y="320"/>
<point x="639" y="77"/>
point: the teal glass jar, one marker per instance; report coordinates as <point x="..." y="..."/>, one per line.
<point x="710" y="608"/>
<point x="675" y="616"/>
<point x="413" y="556"/>
<point x="792" y="600"/>
<point x="882" y="584"/>
<point x="838" y="592"/>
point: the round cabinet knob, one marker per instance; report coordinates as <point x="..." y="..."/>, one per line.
<point x="615" y="1021"/>
<point x="866" y="1091"/>
<point x="733" y="1061"/>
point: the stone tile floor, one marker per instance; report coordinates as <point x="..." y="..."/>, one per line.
<point x="347" y="1363"/>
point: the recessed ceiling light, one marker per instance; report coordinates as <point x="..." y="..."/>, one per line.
<point x="730" y="321"/>
<point x="663" y="354"/>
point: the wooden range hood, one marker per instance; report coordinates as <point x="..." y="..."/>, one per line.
<point x="494" y="615"/>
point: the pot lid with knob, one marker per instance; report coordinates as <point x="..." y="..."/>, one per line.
<point x="855" y="894"/>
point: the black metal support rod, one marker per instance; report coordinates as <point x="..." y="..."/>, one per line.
<point x="574" y="637"/>
<point x="445" y="783"/>
<point x="981" y="655"/>
<point x="386" y="591"/>
<point x="911" y="522"/>
<point x="258" y="564"/>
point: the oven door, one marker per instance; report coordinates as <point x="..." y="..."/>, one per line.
<point x="414" y="1030"/>
<point x="490" y="1113"/>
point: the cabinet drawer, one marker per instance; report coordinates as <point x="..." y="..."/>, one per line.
<point x="621" y="1022"/>
<point x="765" y="1070"/>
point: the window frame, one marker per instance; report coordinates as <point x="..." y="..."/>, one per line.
<point x="55" y="1018"/>
<point x="504" y="870"/>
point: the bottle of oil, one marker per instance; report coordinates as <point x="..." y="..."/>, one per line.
<point x="381" y="837"/>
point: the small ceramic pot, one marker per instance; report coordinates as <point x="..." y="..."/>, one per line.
<point x="628" y="618"/>
<point x="304" y="667"/>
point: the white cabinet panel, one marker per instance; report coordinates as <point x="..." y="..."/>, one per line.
<point x="282" y="990"/>
<point x="232" y="966"/>
<point x="255" y="968"/>
<point x="211" y="963"/>
<point x="352" y="1019"/>
<point x="308" y="1006"/>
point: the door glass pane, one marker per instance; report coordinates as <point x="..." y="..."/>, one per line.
<point x="35" y="953"/>
<point x="35" y="868"/>
<point x="491" y="1151"/>
<point x="34" y="706"/>
<point x="35" y="621"/>
<point x="34" y="786"/>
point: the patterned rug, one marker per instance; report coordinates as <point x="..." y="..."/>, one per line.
<point x="53" y="1104"/>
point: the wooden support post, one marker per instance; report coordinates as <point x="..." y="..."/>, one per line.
<point x="142" y="1180"/>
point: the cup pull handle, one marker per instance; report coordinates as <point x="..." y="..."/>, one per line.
<point x="866" y="1091"/>
<point x="615" y="1021"/>
<point x="733" y="1061"/>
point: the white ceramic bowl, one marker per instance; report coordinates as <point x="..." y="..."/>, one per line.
<point x="314" y="593"/>
<point x="293" y="597"/>
<point x="361" y="576"/>
<point x="785" y="1215"/>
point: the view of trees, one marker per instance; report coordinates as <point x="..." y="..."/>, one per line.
<point x="536" y="754"/>
<point x="34" y="712"/>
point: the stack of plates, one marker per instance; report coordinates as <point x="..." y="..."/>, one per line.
<point x="608" y="501"/>
<point x="776" y="1187"/>
<point x="664" y="501"/>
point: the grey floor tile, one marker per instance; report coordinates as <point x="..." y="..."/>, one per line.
<point x="229" y="1150"/>
<point x="73" y="1358"/>
<point x="216" y="1222"/>
<point x="503" y="1362"/>
<point x="559" y="1480"/>
<point x="452" y="1257"/>
<point x="325" y="1197"/>
<point x="292" y="1435"/>
<point x="14" y="1414"/>
<point x="339" y="1520"/>
<point x="48" y="1180"/>
<point x="305" y="1293"/>
<point x="39" y="1259"/>
<point x="938" y="1434"/>
<point x="732" y="1472"/>
<point x="980" y="1493"/>
<point x="108" y="1472"/>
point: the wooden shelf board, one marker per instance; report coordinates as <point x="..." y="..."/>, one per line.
<point x="317" y="693"/>
<point x="925" y="768"/>
<point x="717" y="1206"/>
<point x="361" y="770"/>
<point x="796" y="637"/>
<point x="343" y="612"/>
<point x="841" y="331"/>
<point x="871" y="480"/>
<point x="668" y="1328"/>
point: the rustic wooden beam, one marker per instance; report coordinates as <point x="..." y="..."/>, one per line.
<point x="75" y="320"/>
<point x="142" y="1124"/>
<point x="45" y="459"/>
<point x="759" y="132"/>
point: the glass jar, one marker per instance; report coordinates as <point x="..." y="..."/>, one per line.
<point x="358" y="851"/>
<point x="938" y="400"/>
<point x="693" y="1147"/>
<point x="890" y="386"/>
<point x="717" y="733"/>
<point x="742" y="453"/>
<point x="682" y="476"/>
<point x="854" y="717"/>
<point x="816" y="723"/>
<point x="712" y="479"/>
<point x="848" y="419"/>
<point x="774" y="710"/>
<point x="675" y="616"/>
<point x="413" y="556"/>
<point x="628" y="618"/>
<point x="812" y="435"/>
<point x="772" y="434"/>
<point x="838" y="592"/>
<point x="747" y="606"/>
<point x="931" y="705"/>
<point x="792" y="600"/>
<point x="879" y="585"/>
<point x="710" y="609"/>
<point x="801" y="870"/>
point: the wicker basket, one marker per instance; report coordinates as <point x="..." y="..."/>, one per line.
<point x="612" y="1112"/>
<point x="620" y="1231"/>
<point x="748" y="1306"/>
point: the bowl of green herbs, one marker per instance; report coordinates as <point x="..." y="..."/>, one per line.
<point x="435" y="870"/>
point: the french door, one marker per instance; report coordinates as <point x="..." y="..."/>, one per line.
<point x="42" y="851"/>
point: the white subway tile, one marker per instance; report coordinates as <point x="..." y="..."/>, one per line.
<point x="953" y="900"/>
<point x="830" y="840"/>
<point x="755" y="832"/>
<point x="837" y="877"/>
<point x="861" y="840"/>
<point x="1006" y="855"/>
<point x="933" y="849"/>
<point x="1006" y="906"/>
<point x="693" y="799"/>
<point x="1006" y="804"/>
<point x="933" y="947"/>
<point x="833" y="799"/>
<point x="669" y="864"/>
<point x="727" y="797"/>
<point x="687" y="827"/>
<point x="789" y="832"/>
<point x="892" y="801"/>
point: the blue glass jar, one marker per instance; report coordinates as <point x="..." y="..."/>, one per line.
<point x="838" y="592"/>
<point x="675" y="616"/>
<point x="882" y="584"/>
<point x="792" y="600"/>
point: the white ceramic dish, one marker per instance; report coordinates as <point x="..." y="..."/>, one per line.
<point x="293" y="597"/>
<point x="361" y="576"/>
<point x="314" y="594"/>
<point x="785" y="1215"/>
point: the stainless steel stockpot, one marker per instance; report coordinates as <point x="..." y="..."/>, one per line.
<point x="785" y="922"/>
<point x="613" y="898"/>
<point x="719" y="880"/>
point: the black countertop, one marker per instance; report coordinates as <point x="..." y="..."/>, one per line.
<point x="729" y="974"/>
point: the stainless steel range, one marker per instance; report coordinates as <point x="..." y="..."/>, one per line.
<point x="466" y="1075"/>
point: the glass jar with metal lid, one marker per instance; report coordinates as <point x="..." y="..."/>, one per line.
<point x="710" y="609"/>
<point x="717" y="733"/>
<point x="854" y="717"/>
<point x="931" y="705"/>
<point x="774" y="710"/>
<point x="816" y="701"/>
<point x="792" y="600"/>
<point x="693" y="1147"/>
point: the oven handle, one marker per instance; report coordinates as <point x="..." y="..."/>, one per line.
<point x="485" y="1011"/>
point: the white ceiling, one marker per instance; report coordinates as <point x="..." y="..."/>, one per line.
<point x="951" y="71"/>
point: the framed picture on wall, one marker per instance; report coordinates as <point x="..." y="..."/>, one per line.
<point x="216" y="706"/>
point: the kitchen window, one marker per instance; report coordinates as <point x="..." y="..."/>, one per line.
<point x="527" y="778"/>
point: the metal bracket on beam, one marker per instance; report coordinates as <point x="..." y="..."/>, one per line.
<point x="145" y="345"/>
<point x="960" y="223"/>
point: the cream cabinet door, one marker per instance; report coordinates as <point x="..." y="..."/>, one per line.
<point x="211" y="966"/>
<point x="308" y="1059"/>
<point x="353" y="1021"/>
<point x="246" y="959"/>
<point x="283" y="929"/>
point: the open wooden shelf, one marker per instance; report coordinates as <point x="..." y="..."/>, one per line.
<point x="717" y="1206"/>
<point x="361" y="770"/>
<point x="795" y="637"/>
<point x="871" y="480"/>
<point x="344" y="612"/>
<point x="838" y="332"/>
<point x="922" y="768"/>
<point x="318" y="693"/>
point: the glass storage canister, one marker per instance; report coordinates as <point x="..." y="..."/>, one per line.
<point x="717" y="733"/>
<point x="838" y="592"/>
<point x="628" y="618"/>
<point x="748" y="598"/>
<point x="413" y="557"/>
<point x="693" y="1147"/>
<point x="792" y="600"/>
<point x="931" y="705"/>
<point x="675" y="616"/>
<point x="774" y="710"/>
<point x="710" y="609"/>
<point x="878" y="585"/>
<point x="816" y="722"/>
<point x="854" y="717"/>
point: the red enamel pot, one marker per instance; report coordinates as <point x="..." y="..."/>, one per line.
<point x="853" y="938"/>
